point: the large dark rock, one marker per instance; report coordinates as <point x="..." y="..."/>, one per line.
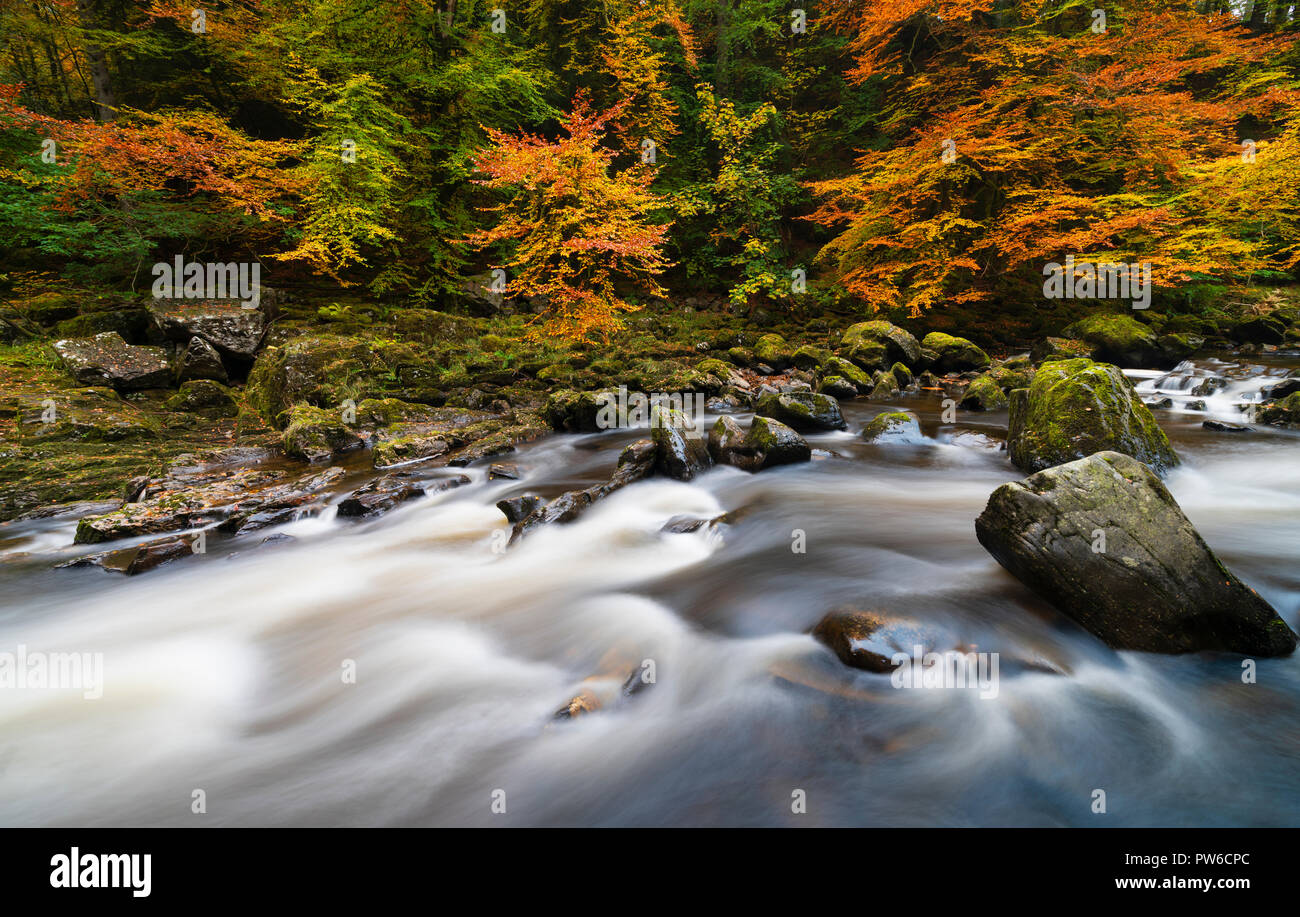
<point x="225" y="324"/>
<point x="1075" y="408"/>
<point x="106" y="359"/>
<point x="806" y="412"/>
<point x="200" y="360"/>
<point x="768" y="443"/>
<point x="1102" y="539"/>
<point x="682" y="451"/>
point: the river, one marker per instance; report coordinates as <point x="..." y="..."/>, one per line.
<point x="228" y="674"/>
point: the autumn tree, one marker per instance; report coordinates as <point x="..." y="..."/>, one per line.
<point x="1016" y="133"/>
<point x="576" y="233"/>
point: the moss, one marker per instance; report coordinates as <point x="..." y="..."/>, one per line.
<point x="1282" y="413"/>
<point x="132" y="324"/>
<point x="954" y="354"/>
<point x="892" y="425"/>
<point x="204" y="397"/>
<point x="773" y="350"/>
<point x="1075" y="408"/>
<point x="850" y="371"/>
<point x="983" y="394"/>
<point x="313" y="434"/>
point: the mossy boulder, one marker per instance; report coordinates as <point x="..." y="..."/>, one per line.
<point x="983" y="394"/>
<point x="809" y="357"/>
<point x="954" y="354"/>
<point x="131" y="324"/>
<point x="328" y="370"/>
<point x="886" y="388"/>
<point x="767" y="444"/>
<point x="203" y="396"/>
<point x="1102" y="539"/>
<point x="316" y="435"/>
<point x="901" y="373"/>
<point x="838" y="366"/>
<point x="894" y="428"/>
<point x="1075" y="408"/>
<point x="772" y="350"/>
<point x="95" y="414"/>
<point x="373" y="413"/>
<point x="838" y="387"/>
<point x="806" y="412"/>
<point x="1124" y="341"/>
<point x="1284" y="413"/>
<point x="868" y="354"/>
<point x="900" y="345"/>
<point x="569" y="411"/>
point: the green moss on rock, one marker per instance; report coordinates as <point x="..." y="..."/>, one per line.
<point x="1075" y="408"/>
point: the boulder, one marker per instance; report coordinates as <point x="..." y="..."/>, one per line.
<point x="200" y="360"/>
<point x="317" y="435"/>
<point x="574" y="412"/>
<point x="225" y="324"/>
<point x="886" y="388"/>
<point x="806" y="412"/>
<point x="1074" y="408"/>
<point x="954" y="354"/>
<point x="770" y="443"/>
<point x="682" y="452"/>
<point x="983" y="394"/>
<point x="1284" y="413"/>
<point x="772" y="350"/>
<point x="106" y="359"/>
<point x="838" y="387"/>
<point x="900" y="346"/>
<point x="1102" y="539"/>
<point x="894" y="428"/>
<point x="203" y="396"/>
<point x="1124" y="341"/>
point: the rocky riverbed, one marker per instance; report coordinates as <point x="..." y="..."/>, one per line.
<point x="721" y="605"/>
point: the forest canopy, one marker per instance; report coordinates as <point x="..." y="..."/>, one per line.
<point x="889" y="157"/>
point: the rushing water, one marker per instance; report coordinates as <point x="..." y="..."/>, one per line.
<point x="223" y="673"/>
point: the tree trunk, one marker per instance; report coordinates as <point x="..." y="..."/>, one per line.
<point x="105" y="103"/>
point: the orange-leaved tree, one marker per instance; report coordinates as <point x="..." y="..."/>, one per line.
<point x="577" y="233"/>
<point x="1018" y="132"/>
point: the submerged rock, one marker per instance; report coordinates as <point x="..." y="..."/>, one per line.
<point x="138" y="559"/>
<point x="106" y="359"/>
<point x="1075" y="408"/>
<point x="894" y="428"/>
<point x="1102" y="539"/>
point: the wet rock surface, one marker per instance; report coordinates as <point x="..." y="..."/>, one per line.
<point x="1102" y="539"/>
